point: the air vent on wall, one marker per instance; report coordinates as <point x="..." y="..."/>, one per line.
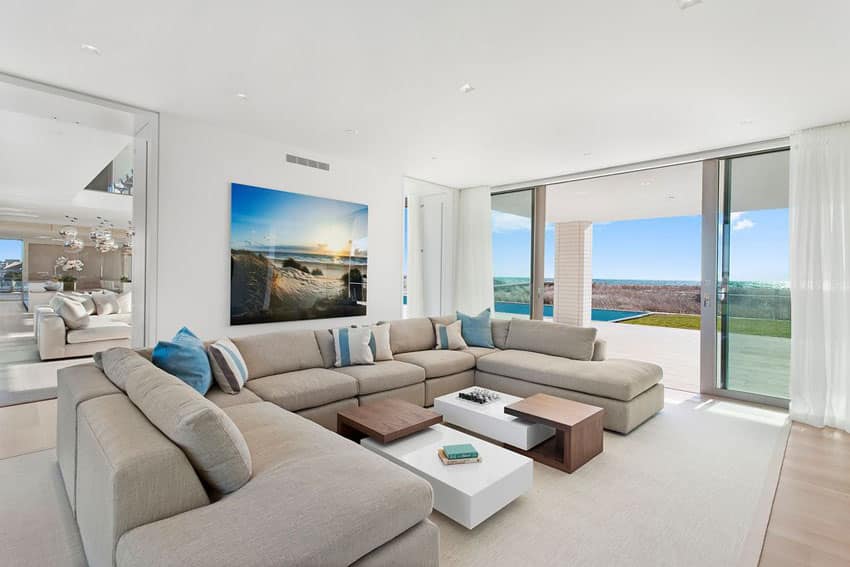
<point x="308" y="162"/>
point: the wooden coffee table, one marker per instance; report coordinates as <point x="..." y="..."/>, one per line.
<point x="385" y="420"/>
<point x="578" y="430"/>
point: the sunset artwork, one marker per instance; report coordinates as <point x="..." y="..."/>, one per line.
<point x="295" y="256"/>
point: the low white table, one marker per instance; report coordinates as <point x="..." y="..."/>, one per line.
<point x="470" y="493"/>
<point x="491" y="421"/>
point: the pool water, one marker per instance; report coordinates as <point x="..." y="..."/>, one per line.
<point x="549" y="311"/>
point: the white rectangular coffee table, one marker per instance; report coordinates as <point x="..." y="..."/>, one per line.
<point x="470" y="493"/>
<point x="491" y="421"/>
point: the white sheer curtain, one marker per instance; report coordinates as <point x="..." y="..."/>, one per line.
<point x="415" y="283"/>
<point x="474" y="256"/>
<point x="820" y="271"/>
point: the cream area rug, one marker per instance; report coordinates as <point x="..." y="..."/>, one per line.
<point x="692" y="486"/>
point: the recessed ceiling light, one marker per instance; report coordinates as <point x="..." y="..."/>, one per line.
<point x="645" y="183"/>
<point x="242" y="97"/>
<point x="581" y="192"/>
<point x="671" y="196"/>
<point x="352" y="131"/>
<point x="746" y="122"/>
<point x="587" y="154"/>
<point x="434" y="157"/>
<point x="89" y="48"/>
<point x="466" y="88"/>
<point x="685" y="4"/>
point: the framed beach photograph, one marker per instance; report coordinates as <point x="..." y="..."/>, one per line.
<point x="295" y="257"/>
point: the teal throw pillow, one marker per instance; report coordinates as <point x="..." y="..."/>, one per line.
<point x="476" y="329"/>
<point x="186" y="358"/>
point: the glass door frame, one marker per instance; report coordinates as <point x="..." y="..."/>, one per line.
<point x="538" y="246"/>
<point x="714" y="184"/>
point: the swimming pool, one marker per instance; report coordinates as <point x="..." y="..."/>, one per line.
<point x="549" y="311"/>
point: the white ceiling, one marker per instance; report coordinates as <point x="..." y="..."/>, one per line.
<point x="46" y="163"/>
<point x="560" y="86"/>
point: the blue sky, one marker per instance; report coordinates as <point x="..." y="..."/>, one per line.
<point x="658" y="249"/>
<point x="268" y="217"/>
<point x="11" y="250"/>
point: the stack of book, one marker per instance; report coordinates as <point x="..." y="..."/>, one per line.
<point x="458" y="454"/>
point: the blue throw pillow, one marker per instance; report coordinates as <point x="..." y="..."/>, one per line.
<point x="476" y="329"/>
<point x="186" y="358"/>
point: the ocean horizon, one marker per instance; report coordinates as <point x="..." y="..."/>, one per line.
<point x="509" y="280"/>
<point x="301" y="254"/>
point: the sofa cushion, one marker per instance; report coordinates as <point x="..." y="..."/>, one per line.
<point x="616" y="379"/>
<point x="304" y="388"/>
<point x="556" y="339"/>
<point x="99" y="330"/>
<point x="72" y="312"/>
<point x="283" y="351"/>
<point x="351" y="346"/>
<point x="315" y="499"/>
<point x="224" y="400"/>
<point x="478" y="352"/>
<point x="384" y="375"/>
<point x="84" y="298"/>
<point x="409" y="335"/>
<point x="106" y="302"/>
<point x="380" y="342"/>
<point x="438" y="363"/>
<point x="211" y="441"/>
<point x="476" y="329"/>
<point x="185" y="357"/>
<point x="325" y="340"/>
<point x="449" y="337"/>
<point x="500" y="328"/>
<point x="120" y="363"/>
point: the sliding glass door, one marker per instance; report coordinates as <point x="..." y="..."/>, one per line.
<point x="513" y="239"/>
<point x="747" y="301"/>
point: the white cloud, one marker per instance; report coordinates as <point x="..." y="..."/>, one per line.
<point x="735" y="216"/>
<point x="742" y="224"/>
<point x="506" y="222"/>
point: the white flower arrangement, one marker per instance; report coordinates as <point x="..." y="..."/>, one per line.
<point x="67" y="265"/>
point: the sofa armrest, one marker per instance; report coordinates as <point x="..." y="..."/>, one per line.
<point x="128" y="475"/>
<point x="50" y="334"/>
<point x="600" y="350"/>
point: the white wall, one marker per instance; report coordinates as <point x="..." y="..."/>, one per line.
<point x="197" y="164"/>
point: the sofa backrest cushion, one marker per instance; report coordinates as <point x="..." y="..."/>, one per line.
<point x="325" y="339"/>
<point x="106" y="302"/>
<point x="120" y="363"/>
<point x="210" y="439"/>
<point x="410" y="335"/>
<point x="556" y="339"/>
<point x="84" y="298"/>
<point x="279" y="352"/>
<point x="476" y="329"/>
<point x="500" y="328"/>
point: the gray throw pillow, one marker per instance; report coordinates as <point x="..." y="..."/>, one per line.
<point x="210" y="439"/>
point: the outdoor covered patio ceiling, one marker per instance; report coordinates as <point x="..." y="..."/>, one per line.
<point x="664" y="192"/>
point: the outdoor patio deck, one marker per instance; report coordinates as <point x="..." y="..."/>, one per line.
<point x="757" y="364"/>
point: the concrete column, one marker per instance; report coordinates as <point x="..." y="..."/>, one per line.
<point x="573" y="272"/>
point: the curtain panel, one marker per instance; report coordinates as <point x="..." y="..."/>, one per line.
<point x="820" y="271"/>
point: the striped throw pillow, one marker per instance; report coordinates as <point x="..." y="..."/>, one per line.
<point x="379" y="344"/>
<point x="228" y="366"/>
<point x="449" y="337"/>
<point x="351" y="346"/>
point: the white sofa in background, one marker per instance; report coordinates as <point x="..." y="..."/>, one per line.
<point x="56" y="340"/>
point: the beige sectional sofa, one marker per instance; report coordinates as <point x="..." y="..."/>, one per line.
<point x="313" y="498"/>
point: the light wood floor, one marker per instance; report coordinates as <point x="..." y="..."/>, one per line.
<point x="810" y="520"/>
<point x="808" y="524"/>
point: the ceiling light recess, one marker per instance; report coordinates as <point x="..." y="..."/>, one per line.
<point x="466" y="88"/>
<point x="242" y="97"/>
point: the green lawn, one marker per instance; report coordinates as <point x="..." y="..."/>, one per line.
<point x="760" y="327"/>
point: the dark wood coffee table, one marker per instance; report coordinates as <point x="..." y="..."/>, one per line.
<point x="385" y="420"/>
<point x="578" y="430"/>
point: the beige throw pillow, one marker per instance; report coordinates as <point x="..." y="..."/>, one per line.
<point x="106" y="303"/>
<point x="210" y="439"/>
<point x="73" y="312"/>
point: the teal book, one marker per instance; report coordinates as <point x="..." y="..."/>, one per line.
<point x="462" y="451"/>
